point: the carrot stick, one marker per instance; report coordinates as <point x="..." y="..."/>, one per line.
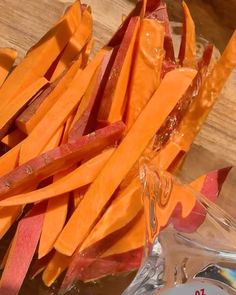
<point x="81" y="176"/>
<point x="22" y="251"/>
<point x="7" y="59"/>
<point x="12" y="109"/>
<point x="76" y="43"/>
<point x="38" y="60"/>
<point x="55" y="267"/>
<point x="187" y="53"/>
<point x="147" y="62"/>
<point x="13" y="138"/>
<point x="114" y="97"/>
<point x="64" y="106"/>
<point x="136" y="141"/>
<point x="26" y="124"/>
<point x="59" y="159"/>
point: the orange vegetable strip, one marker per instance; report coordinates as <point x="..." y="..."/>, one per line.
<point x="167" y="155"/>
<point x="9" y="160"/>
<point x="133" y="239"/>
<point x="56" y="210"/>
<point x="119" y="97"/>
<point x="13" y="138"/>
<point x="81" y="176"/>
<point x="53" y="223"/>
<point x="208" y="95"/>
<point x="39" y="59"/>
<point x="147" y="62"/>
<point x="114" y="97"/>
<point x="40" y="264"/>
<point x="22" y="251"/>
<point x="7" y="217"/>
<point x="136" y="141"/>
<point x="187" y="53"/>
<point x="55" y="140"/>
<point x="59" y="159"/>
<point x="86" y="99"/>
<point x="85" y="118"/>
<point x="67" y="128"/>
<point x="125" y="207"/>
<point x="33" y="107"/>
<point x="76" y="43"/>
<point x="10" y="112"/>
<point x="54" y="268"/>
<point x="64" y="106"/>
<point x="28" y="125"/>
<point x="7" y="59"/>
<point x="86" y="52"/>
<point x="78" y="195"/>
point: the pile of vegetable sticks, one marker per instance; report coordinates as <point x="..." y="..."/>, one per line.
<point x="73" y="129"/>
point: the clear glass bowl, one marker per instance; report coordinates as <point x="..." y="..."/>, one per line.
<point x="214" y="21"/>
<point x="191" y="241"/>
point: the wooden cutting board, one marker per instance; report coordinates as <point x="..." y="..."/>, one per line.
<point x="23" y="22"/>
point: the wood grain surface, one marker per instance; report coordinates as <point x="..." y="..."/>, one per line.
<point x="23" y="22"/>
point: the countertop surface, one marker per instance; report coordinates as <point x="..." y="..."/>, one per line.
<point x="23" y="22"/>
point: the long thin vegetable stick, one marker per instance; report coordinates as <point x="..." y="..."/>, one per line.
<point x="40" y="58"/>
<point x="9" y="161"/>
<point x="86" y="52"/>
<point x="187" y="53"/>
<point x="85" y="119"/>
<point x="28" y="125"/>
<point x="133" y="239"/>
<point x="56" y="211"/>
<point x="114" y="97"/>
<point x="136" y="140"/>
<point x="64" y="106"/>
<point x="147" y="62"/>
<point x="12" y="109"/>
<point x="55" y="267"/>
<point x="76" y="44"/>
<point x="208" y="95"/>
<point x="125" y="207"/>
<point x="7" y="59"/>
<point x="22" y="251"/>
